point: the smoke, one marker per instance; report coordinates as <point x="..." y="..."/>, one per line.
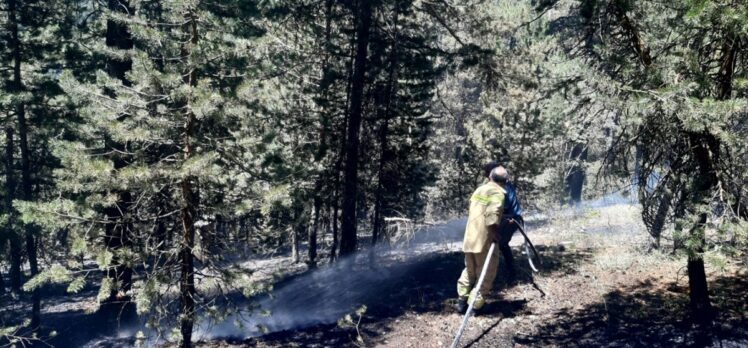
<point x="320" y="296"/>
<point x="615" y="198"/>
<point x="325" y="295"/>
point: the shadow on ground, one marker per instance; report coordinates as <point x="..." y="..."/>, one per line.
<point x="305" y="307"/>
<point x="648" y="315"/>
<point x="422" y="285"/>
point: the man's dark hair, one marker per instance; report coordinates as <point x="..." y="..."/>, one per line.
<point x="488" y="167"/>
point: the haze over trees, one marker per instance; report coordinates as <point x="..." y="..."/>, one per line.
<point x="150" y="144"/>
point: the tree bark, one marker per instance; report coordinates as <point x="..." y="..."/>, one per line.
<point x="2" y="280"/>
<point x="118" y="230"/>
<point x="295" y="242"/>
<point x="575" y="178"/>
<point x="663" y="207"/>
<point x="641" y="49"/>
<point x="636" y="180"/>
<point x="336" y="218"/>
<point x="350" y="189"/>
<point x="727" y="67"/>
<point x="26" y="185"/>
<point x="334" y="223"/>
<point x="187" y="281"/>
<point x="704" y="147"/>
<point x="187" y="278"/>
<point x="380" y="205"/>
<point x="326" y="110"/>
<point x="14" y="238"/>
<point x="161" y="233"/>
<point x="313" y="233"/>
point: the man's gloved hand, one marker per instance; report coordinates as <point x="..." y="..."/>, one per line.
<point x="499" y="210"/>
<point x="516" y="220"/>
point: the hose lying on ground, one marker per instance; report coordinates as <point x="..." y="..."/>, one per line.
<point x="474" y="297"/>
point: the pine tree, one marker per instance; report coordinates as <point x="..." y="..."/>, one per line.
<point x="683" y="134"/>
<point x="33" y="36"/>
<point x="162" y="130"/>
<point x="117" y="235"/>
<point x="348" y="240"/>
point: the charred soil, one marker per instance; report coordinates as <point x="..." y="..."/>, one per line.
<point x="598" y="286"/>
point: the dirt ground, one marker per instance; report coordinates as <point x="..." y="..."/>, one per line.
<point x="600" y="288"/>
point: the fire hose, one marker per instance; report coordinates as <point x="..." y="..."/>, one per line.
<point x="474" y="297"/>
<point x="469" y="312"/>
<point x="528" y="246"/>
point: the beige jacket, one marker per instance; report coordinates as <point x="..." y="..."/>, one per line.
<point x="486" y="206"/>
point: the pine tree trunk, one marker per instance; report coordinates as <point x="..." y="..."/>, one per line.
<point x="699" y="291"/>
<point x="706" y="150"/>
<point x="118" y="230"/>
<point x="297" y="229"/>
<point x="187" y="263"/>
<point x="16" y="252"/>
<point x="187" y="282"/>
<point x="350" y="190"/>
<point x="389" y="94"/>
<point x="313" y="233"/>
<point x="636" y="180"/>
<point x="575" y="178"/>
<point x="30" y="230"/>
<point x="26" y="185"/>
<point x="336" y="218"/>
<point x="14" y="238"/>
<point x="334" y="223"/>
<point x="161" y="233"/>
<point x="663" y="207"/>
<point x="2" y="280"/>
<point x="665" y="202"/>
<point x="324" y="88"/>
<point x="706" y="147"/>
<point x="679" y="212"/>
<point x="295" y="243"/>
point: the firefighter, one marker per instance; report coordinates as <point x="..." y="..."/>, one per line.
<point x="486" y="208"/>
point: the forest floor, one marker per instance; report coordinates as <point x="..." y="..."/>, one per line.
<point x="602" y="288"/>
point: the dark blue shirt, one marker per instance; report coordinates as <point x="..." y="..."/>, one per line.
<point x="511" y="203"/>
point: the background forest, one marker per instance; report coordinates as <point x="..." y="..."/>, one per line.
<point x="148" y="144"/>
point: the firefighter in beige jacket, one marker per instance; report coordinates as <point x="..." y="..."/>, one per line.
<point x="486" y="206"/>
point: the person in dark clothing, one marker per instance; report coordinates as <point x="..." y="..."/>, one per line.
<point x="510" y="218"/>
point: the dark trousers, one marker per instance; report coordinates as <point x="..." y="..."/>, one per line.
<point x="506" y="231"/>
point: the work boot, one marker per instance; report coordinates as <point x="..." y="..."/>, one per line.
<point x="479" y="311"/>
<point x="462" y="305"/>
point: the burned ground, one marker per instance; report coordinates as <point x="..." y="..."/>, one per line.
<point x="647" y="314"/>
<point x="597" y="287"/>
<point x="602" y="290"/>
<point x="422" y="287"/>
